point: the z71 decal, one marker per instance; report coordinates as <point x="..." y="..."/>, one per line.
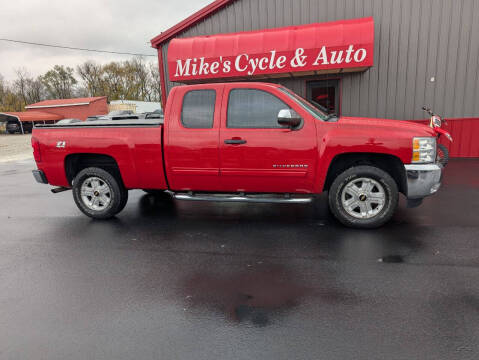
<point x="61" y="144"/>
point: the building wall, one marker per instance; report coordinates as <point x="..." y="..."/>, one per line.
<point x="98" y="107"/>
<point x="414" y="41"/>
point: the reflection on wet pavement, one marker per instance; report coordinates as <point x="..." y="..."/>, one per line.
<point x="179" y="280"/>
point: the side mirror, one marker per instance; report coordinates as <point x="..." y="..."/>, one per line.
<point x="289" y="118"/>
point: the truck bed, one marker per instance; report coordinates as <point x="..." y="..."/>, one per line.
<point x="134" y="146"/>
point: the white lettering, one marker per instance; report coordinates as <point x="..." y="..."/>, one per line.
<point x="338" y="59"/>
<point x="299" y="59"/>
<point x="227" y="66"/>
<point x="363" y="55"/>
<point x="203" y="67"/>
<point x="193" y="67"/>
<point x="214" y="67"/>
<point x="253" y="64"/>
<point x="271" y="62"/>
<point x="183" y="70"/>
<point x="262" y="62"/>
<point x="323" y="56"/>
<point x="271" y="59"/>
<point x="237" y="62"/>
<point x="280" y="62"/>
<point x="348" y="54"/>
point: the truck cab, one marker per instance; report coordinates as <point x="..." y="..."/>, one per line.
<point x="256" y="142"/>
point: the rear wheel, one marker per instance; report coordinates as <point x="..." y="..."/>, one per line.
<point x="442" y="155"/>
<point x="363" y="197"/>
<point x="99" y="194"/>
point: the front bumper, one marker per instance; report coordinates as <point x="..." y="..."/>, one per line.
<point x="422" y="180"/>
<point x="40" y="176"/>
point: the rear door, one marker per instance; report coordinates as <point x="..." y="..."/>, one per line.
<point x="256" y="153"/>
<point x="191" y="138"/>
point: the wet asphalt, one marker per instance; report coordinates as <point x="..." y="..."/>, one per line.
<point x="180" y="280"/>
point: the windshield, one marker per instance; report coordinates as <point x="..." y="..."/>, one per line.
<point x="306" y="105"/>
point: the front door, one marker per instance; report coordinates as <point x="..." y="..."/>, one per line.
<point x="256" y="153"/>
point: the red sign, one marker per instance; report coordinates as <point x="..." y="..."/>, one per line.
<point x="344" y="44"/>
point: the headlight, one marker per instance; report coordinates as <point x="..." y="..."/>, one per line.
<point x="436" y="120"/>
<point x="423" y="150"/>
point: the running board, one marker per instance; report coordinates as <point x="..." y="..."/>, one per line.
<point x="243" y="198"/>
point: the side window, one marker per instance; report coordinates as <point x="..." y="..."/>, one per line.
<point x="250" y="108"/>
<point x="198" y="109"/>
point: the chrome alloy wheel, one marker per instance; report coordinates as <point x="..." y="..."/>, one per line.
<point x="95" y="193"/>
<point x="363" y="198"/>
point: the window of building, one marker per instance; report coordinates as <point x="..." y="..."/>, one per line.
<point x="325" y="95"/>
<point x="198" y="109"/>
<point x="250" y="108"/>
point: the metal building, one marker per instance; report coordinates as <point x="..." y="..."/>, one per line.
<point x="425" y="53"/>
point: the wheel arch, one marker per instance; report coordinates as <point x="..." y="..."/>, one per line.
<point x="386" y="162"/>
<point x="74" y="163"/>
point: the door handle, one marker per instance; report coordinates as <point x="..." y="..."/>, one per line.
<point x="235" y="141"/>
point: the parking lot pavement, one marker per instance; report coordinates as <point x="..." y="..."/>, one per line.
<point x="178" y="280"/>
<point x="15" y="147"/>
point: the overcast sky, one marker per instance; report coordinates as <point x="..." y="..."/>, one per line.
<point x="114" y="25"/>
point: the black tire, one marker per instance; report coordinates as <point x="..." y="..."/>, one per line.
<point x="124" y="200"/>
<point x="389" y="191"/>
<point x="118" y="195"/>
<point x="11" y="132"/>
<point x="442" y="156"/>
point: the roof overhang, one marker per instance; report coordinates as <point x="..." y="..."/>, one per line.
<point x="331" y="47"/>
<point x="55" y="106"/>
<point x="30" y="116"/>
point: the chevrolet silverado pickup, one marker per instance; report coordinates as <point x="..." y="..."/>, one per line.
<point x="251" y="142"/>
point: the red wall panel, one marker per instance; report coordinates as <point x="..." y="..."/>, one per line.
<point x="465" y="133"/>
<point x="99" y="107"/>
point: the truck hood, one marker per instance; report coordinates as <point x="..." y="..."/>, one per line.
<point x="392" y="125"/>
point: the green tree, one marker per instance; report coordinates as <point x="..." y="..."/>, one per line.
<point x="60" y="82"/>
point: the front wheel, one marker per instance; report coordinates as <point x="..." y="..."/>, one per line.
<point x="99" y="194"/>
<point x="363" y="197"/>
<point x="442" y="155"/>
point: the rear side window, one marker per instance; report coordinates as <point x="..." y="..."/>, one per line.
<point x="198" y="109"/>
<point x="250" y="108"/>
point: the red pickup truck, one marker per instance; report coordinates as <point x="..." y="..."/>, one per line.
<point x="253" y="142"/>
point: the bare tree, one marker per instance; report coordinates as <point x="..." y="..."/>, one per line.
<point x="20" y="84"/>
<point x="29" y="89"/>
<point x="92" y="77"/>
<point x="35" y="91"/>
<point x="155" y="82"/>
